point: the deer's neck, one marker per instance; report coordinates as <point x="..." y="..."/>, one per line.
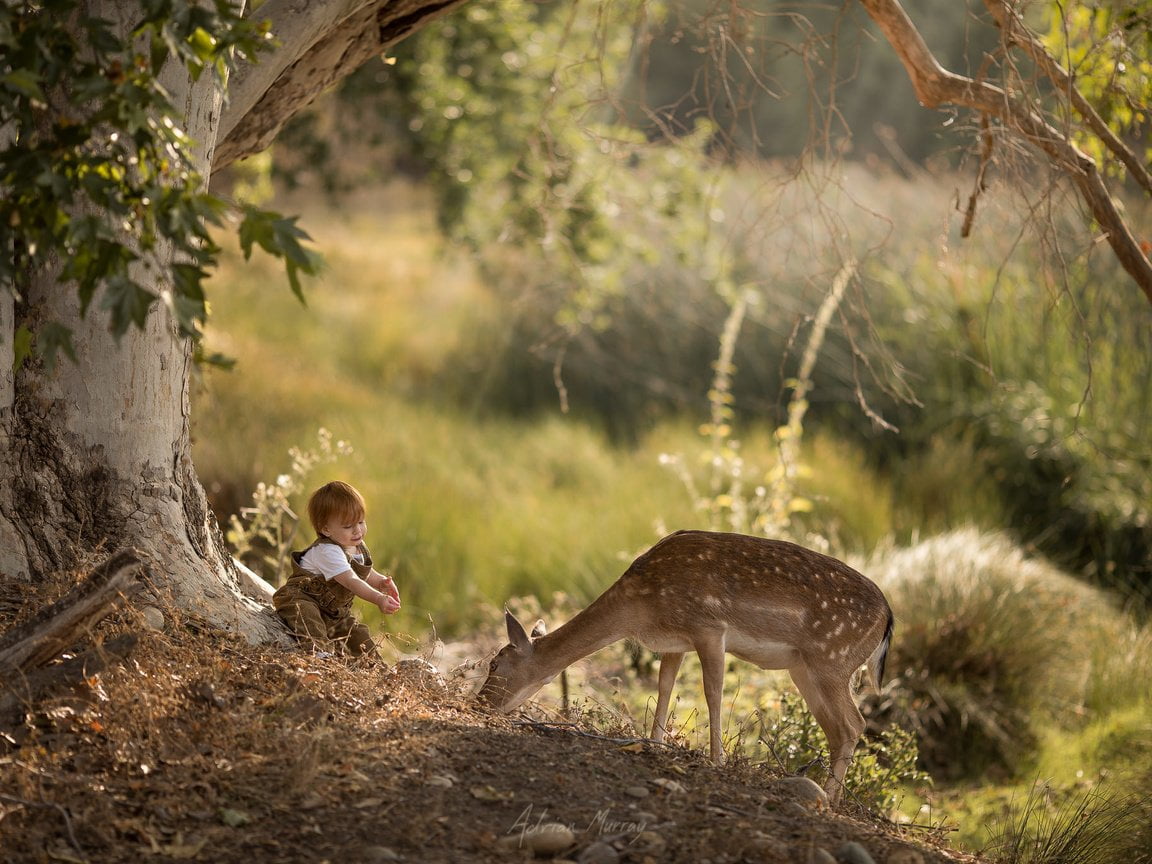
<point x="596" y="626"/>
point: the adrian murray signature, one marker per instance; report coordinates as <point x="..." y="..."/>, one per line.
<point x="603" y="824"/>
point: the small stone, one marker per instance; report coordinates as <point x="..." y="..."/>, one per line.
<point x="672" y="787"/>
<point x="803" y="790"/>
<point x="795" y="810"/>
<point x="440" y="781"/>
<point x="853" y="853"/>
<point x="904" y="855"/>
<point x="153" y="617"/>
<point x="637" y="791"/>
<point x="821" y="856"/>
<point x="650" y="841"/>
<point x="599" y="853"/>
<point x="376" y="854"/>
<point x="420" y="671"/>
<point x="765" y="848"/>
<point x="544" y="839"/>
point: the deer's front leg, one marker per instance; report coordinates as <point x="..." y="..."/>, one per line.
<point x="711" y="653"/>
<point x="669" y="666"/>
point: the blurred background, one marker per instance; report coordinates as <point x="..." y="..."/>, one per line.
<point x="598" y="271"/>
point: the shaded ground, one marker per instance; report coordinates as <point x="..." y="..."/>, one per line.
<point x="199" y="748"/>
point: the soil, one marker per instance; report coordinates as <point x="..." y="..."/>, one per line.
<point x="198" y="747"/>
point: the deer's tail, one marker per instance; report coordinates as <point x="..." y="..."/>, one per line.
<point x="880" y="655"/>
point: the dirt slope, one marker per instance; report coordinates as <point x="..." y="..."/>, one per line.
<point x="198" y="748"/>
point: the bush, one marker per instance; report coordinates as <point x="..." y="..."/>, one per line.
<point x="990" y="646"/>
<point x="882" y="766"/>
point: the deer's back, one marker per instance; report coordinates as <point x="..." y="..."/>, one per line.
<point x="755" y="588"/>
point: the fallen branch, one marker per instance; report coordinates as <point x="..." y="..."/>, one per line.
<point x="573" y="729"/>
<point x="58" y="626"/>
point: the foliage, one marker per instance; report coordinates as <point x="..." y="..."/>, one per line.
<point x="97" y="170"/>
<point x="769" y="508"/>
<point x="1107" y="46"/>
<point x="1089" y="827"/>
<point x="978" y="672"/>
<point x="882" y="767"/>
<point x="263" y="534"/>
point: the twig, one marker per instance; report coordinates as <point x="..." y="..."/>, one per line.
<point x="51" y="805"/>
<point x="574" y="730"/>
<point x="981" y="183"/>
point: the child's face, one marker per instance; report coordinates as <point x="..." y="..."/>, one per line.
<point x="345" y="530"/>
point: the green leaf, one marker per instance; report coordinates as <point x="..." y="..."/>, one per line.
<point x="21" y="346"/>
<point x="53" y="338"/>
<point x="129" y="303"/>
<point x="24" y="81"/>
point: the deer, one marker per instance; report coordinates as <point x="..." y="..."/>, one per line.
<point x="770" y="602"/>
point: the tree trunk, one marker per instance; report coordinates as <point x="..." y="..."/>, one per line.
<point x="97" y="452"/>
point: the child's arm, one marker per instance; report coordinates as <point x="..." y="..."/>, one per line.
<point x="387" y="603"/>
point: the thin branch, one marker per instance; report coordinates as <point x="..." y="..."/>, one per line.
<point x="51" y="805"/>
<point x="573" y="729"/>
<point x="1017" y="33"/>
<point x="935" y="85"/>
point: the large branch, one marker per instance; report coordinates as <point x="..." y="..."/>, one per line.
<point x="319" y="44"/>
<point x="935" y="85"/>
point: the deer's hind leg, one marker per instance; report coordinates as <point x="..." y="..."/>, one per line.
<point x="829" y="697"/>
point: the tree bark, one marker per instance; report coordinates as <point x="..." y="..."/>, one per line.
<point x="935" y="85"/>
<point x="321" y="43"/>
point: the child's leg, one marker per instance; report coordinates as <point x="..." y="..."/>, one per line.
<point x="307" y="623"/>
<point x="354" y="636"/>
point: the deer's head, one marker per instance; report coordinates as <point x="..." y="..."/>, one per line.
<point x="515" y="674"/>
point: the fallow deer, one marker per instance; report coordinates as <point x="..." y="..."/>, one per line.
<point x="769" y="602"/>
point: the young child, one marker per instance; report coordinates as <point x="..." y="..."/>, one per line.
<point x="316" y="601"/>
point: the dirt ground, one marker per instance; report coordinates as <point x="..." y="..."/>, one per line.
<point x="197" y="747"/>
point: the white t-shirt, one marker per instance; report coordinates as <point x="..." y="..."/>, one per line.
<point x="328" y="560"/>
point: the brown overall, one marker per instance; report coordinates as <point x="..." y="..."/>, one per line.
<point x="319" y="610"/>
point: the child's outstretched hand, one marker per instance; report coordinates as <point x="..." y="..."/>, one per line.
<point x="388" y="604"/>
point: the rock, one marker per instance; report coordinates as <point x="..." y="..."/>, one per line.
<point x="650" y="841"/>
<point x="441" y="781"/>
<point x="765" y="848"/>
<point x="853" y="853"/>
<point x="153" y="618"/>
<point x="376" y="854"/>
<point x="904" y="855"/>
<point x="796" y="810"/>
<point x="599" y="853"/>
<point x="548" y="838"/>
<point x="802" y="790"/>
<point x="672" y="787"/>
<point x="637" y="791"/>
<point x="821" y="856"/>
<point x="419" y="671"/>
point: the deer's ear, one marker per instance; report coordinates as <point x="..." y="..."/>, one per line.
<point x="539" y="629"/>
<point x="516" y="635"/>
